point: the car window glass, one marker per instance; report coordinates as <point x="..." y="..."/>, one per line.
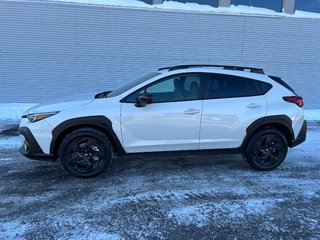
<point x="251" y="89"/>
<point x="130" y="85"/>
<point x="263" y="87"/>
<point x="175" y="88"/>
<point x="224" y="86"/>
<point x="162" y="87"/>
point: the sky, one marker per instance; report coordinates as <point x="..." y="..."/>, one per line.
<point x="308" y="5"/>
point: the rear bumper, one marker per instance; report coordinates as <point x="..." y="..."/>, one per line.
<point x="30" y="147"/>
<point x="301" y="136"/>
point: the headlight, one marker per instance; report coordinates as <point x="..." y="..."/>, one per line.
<point x="35" y="117"/>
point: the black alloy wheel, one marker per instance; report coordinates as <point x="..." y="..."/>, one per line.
<point x="85" y="153"/>
<point x="266" y="150"/>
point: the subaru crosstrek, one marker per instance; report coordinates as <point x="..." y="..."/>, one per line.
<point x="181" y="110"/>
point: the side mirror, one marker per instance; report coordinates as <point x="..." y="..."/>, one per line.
<point x="143" y="100"/>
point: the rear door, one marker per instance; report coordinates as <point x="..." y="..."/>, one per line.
<point x="230" y="105"/>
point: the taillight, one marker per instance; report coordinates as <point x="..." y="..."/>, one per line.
<point x="295" y="99"/>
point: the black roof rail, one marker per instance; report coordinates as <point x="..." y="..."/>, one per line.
<point x="227" y="67"/>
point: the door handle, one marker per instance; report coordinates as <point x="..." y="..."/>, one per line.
<point x="253" y="105"/>
<point x="191" y="111"/>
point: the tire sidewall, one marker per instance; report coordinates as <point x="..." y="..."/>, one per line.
<point x="250" y="149"/>
<point x="85" y="132"/>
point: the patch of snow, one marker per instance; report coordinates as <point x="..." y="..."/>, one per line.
<point x="189" y="6"/>
<point x="125" y="3"/>
<point x="312" y="114"/>
<point x="303" y="14"/>
<point x="200" y="214"/>
<point x="10" y="143"/>
<point x="14" y="229"/>
<point x="193" y="214"/>
<point x="95" y="235"/>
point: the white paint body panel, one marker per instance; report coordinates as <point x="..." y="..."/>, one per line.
<point x="277" y="106"/>
<point x="161" y="126"/>
<point x="42" y="132"/>
<point x="224" y="121"/>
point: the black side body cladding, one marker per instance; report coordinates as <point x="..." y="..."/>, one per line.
<point x="101" y="123"/>
<point x="281" y="122"/>
<point x="34" y="151"/>
<point x="301" y="136"/>
<point x="279" y="119"/>
<point x="190" y="152"/>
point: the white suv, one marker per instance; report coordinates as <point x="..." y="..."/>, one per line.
<point x="182" y="110"/>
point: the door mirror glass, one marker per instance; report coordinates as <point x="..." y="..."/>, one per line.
<point x="144" y="99"/>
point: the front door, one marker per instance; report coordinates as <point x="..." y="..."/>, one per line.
<point x="171" y="122"/>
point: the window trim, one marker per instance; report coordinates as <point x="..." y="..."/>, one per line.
<point x="203" y="80"/>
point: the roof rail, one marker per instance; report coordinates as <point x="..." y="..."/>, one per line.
<point x="227" y="67"/>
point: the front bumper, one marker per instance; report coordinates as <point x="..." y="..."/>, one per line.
<point x="30" y="147"/>
<point x="301" y="136"/>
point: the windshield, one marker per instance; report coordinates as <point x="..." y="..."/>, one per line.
<point x="130" y="85"/>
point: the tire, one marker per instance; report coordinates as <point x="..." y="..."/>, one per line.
<point x="85" y="153"/>
<point x="266" y="150"/>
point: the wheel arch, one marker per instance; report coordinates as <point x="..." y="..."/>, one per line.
<point x="100" y="123"/>
<point x="280" y="122"/>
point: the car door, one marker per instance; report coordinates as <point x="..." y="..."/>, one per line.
<point x="230" y="105"/>
<point x="171" y="122"/>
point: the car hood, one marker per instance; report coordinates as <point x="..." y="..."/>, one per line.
<point x="62" y="104"/>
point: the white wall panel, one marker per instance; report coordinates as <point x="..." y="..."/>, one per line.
<point x="51" y="49"/>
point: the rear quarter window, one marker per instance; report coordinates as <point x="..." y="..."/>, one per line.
<point x="262" y="87"/>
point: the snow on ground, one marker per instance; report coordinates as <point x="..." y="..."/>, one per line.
<point x="192" y="197"/>
<point x="10" y="142"/>
<point x="312" y="114"/>
<point x="10" y="114"/>
<point x="189" y="6"/>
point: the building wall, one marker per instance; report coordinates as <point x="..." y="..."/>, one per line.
<point x="51" y="50"/>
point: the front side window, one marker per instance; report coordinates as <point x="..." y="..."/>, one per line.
<point x="132" y="84"/>
<point x="175" y="88"/>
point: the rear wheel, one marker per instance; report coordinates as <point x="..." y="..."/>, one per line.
<point x="85" y="153"/>
<point x="266" y="150"/>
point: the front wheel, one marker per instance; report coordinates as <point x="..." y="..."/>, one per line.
<point x="85" y="153"/>
<point x="266" y="150"/>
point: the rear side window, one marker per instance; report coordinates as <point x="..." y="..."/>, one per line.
<point x="251" y="88"/>
<point x="226" y="86"/>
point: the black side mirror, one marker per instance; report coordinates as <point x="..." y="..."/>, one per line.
<point x="143" y="100"/>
